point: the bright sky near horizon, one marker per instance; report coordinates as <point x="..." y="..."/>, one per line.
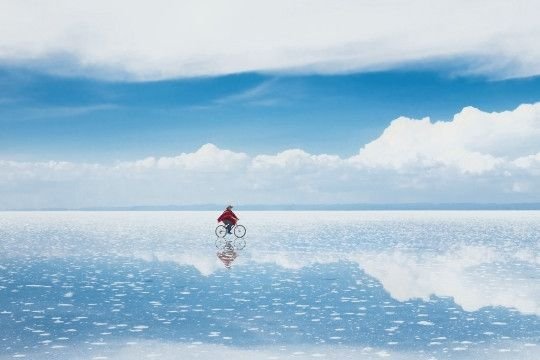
<point x="134" y="103"/>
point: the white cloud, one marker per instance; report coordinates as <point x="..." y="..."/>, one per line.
<point x="475" y="157"/>
<point x="473" y="142"/>
<point x="295" y="159"/>
<point x="163" y="39"/>
<point x="13" y="171"/>
<point x="529" y="162"/>
<point x="209" y="158"/>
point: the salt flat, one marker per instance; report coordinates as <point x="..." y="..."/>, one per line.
<point x="347" y="285"/>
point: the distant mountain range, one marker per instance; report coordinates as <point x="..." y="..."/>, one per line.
<point x="308" y="207"/>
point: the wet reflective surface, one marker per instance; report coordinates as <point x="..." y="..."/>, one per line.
<point x="347" y="285"/>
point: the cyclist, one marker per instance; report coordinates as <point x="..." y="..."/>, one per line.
<point x="229" y="218"/>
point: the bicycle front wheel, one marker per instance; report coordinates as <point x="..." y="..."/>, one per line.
<point x="239" y="231"/>
<point x="221" y="231"/>
<point x="239" y="243"/>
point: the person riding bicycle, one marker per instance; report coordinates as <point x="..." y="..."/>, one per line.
<point x="229" y="218"/>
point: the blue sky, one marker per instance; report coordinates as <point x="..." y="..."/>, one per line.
<point x="45" y="117"/>
<point x="258" y="102"/>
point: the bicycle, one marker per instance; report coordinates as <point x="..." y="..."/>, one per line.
<point x="239" y="231"/>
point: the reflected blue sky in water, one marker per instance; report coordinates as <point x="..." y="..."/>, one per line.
<point x="104" y="288"/>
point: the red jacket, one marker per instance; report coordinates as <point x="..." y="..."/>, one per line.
<point x="228" y="215"/>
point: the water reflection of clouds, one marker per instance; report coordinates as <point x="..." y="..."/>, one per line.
<point x="502" y="351"/>
<point x="256" y="306"/>
<point x="130" y="349"/>
<point x="205" y="264"/>
<point x="474" y="276"/>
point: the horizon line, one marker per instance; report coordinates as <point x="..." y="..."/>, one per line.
<point x="304" y="207"/>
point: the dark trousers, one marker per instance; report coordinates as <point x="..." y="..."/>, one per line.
<point x="228" y="225"/>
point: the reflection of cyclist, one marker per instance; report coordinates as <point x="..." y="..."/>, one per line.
<point x="229" y="218"/>
<point x="227" y="256"/>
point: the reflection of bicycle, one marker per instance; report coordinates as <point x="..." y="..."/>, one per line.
<point x="238" y="230"/>
<point x="238" y="243"/>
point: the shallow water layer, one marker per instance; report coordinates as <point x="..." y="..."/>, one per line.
<point x="347" y="285"/>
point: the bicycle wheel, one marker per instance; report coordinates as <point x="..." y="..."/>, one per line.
<point x="239" y="231"/>
<point x="221" y="231"/>
<point x="221" y="242"/>
<point x="239" y="243"/>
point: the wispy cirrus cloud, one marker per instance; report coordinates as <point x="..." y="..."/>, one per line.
<point x="8" y="100"/>
<point x="60" y="111"/>
<point x="260" y="94"/>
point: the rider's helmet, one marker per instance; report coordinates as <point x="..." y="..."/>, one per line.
<point x="229" y="207"/>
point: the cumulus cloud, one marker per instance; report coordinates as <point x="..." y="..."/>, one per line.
<point x="475" y="157"/>
<point x="531" y="162"/>
<point x="209" y="158"/>
<point x="473" y="142"/>
<point x="166" y="39"/>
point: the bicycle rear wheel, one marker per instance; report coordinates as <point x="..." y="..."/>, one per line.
<point x="221" y="231"/>
<point x="239" y="231"/>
